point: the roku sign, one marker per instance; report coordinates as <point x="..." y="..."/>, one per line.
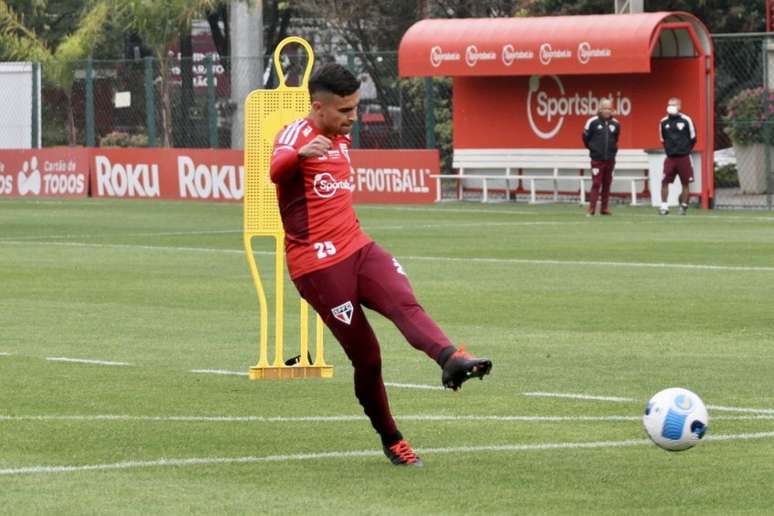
<point x="201" y="181"/>
<point x="126" y="179"/>
<point x="219" y="175"/>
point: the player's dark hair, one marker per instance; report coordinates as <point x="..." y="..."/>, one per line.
<point x="333" y="78"/>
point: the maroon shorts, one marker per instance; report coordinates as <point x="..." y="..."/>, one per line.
<point x="678" y="166"/>
<point x="370" y="278"/>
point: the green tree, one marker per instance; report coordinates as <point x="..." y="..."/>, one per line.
<point x="720" y="16"/>
<point x="18" y="41"/>
<point x="159" y="24"/>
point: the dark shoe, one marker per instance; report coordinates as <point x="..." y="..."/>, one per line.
<point x="605" y="212"/>
<point x="460" y="367"/>
<point x="683" y="209"/>
<point x="590" y="213"/>
<point x="402" y="454"/>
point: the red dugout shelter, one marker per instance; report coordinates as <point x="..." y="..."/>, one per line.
<point x="529" y="84"/>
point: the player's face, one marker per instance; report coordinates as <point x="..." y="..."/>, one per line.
<point x="337" y="114"/>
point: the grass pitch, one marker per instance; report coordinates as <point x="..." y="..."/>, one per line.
<point x="617" y="307"/>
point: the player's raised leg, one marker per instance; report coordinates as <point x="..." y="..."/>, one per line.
<point x="332" y="292"/>
<point x="384" y="287"/>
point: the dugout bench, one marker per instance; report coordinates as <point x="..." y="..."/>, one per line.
<point x="522" y="171"/>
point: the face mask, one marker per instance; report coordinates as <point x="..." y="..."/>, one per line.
<point x="672" y="110"/>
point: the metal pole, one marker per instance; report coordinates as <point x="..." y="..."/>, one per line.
<point x="767" y="122"/>
<point x="356" y="127"/>
<point x="212" y="120"/>
<point x="90" y="134"/>
<point x="35" y="136"/>
<point x="150" y="103"/>
<point x="429" y="114"/>
<point x="246" y="60"/>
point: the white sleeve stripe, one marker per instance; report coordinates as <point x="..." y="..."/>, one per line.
<point x="690" y="126"/>
<point x="661" y="130"/>
<point x="294" y="136"/>
<point x="288" y="130"/>
<point x="284" y="133"/>
<point x="283" y="147"/>
<point x="588" y="123"/>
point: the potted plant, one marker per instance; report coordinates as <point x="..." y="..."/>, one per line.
<point x="745" y="122"/>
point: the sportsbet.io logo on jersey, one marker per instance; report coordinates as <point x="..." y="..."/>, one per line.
<point x="326" y="186"/>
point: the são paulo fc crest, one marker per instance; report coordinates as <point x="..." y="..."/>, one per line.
<point x="343" y="312"/>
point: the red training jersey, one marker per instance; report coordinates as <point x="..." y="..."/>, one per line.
<point x="315" y="200"/>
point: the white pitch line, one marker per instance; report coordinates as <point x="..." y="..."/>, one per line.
<point x="316" y="419"/>
<point x="722" y="408"/>
<point x="449" y="210"/>
<point x="647" y="265"/>
<point x="576" y="396"/>
<point x="132" y="246"/>
<point x="473" y="224"/>
<point x="414" y="386"/>
<point x="87" y="361"/>
<point x="186" y="419"/>
<point x="208" y="461"/>
<point x="116" y="235"/>
<point x="656" y="265"/>
<point x="4" y="354"/>
<point x="349" y="418"/>
<point x="435" y="259"/>
<point x="497" y="211"/>
<point x="719" y="408"/>
<point x="219" y="371"/>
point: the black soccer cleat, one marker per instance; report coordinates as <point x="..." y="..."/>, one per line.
<point x="461" y="367"/>
<point x="402" y="454"/>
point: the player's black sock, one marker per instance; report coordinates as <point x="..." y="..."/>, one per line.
<point x="389" y="440"/>
<point x="445" y="354"/>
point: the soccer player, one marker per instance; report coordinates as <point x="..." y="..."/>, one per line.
<point x="600" y="136"/>
<point x="678" y="135"/>
<point x="337" y="268"/>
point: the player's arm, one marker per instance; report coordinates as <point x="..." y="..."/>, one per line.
<point x="587" y="132"/>
<point x="691" y="130"/>
<point x="286" y="158"/>
<point x="284" y="163"/>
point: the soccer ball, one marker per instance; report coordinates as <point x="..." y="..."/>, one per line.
<point x="675" y="419"/>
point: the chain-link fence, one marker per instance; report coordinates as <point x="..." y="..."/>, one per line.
<point x="193" y="103"/>
<point x="744" y="115"/>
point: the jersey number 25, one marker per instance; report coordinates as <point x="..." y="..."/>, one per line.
<point x="324" y="249"/>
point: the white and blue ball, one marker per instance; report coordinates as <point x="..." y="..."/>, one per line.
<point x="676" y="419"/>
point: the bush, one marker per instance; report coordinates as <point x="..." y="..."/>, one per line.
<point x="122" y="139"/>
<point x="746" y="115"/>
<point x="726" y="176"/>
